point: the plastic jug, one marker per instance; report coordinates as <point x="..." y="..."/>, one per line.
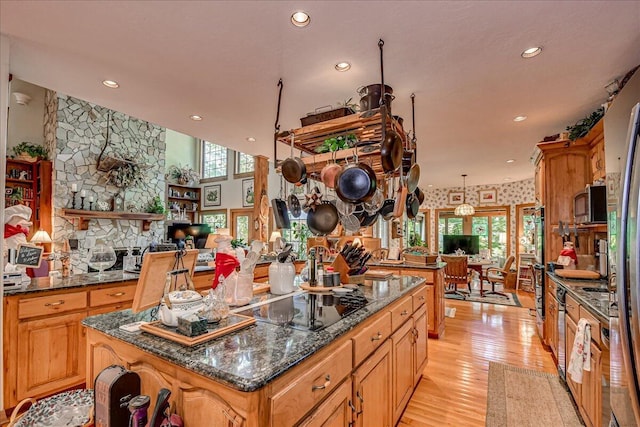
<point x="281" y="275"/>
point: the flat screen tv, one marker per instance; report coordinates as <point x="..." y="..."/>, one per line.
<point x="198" y="231"/>
<point x="468" y="243"/>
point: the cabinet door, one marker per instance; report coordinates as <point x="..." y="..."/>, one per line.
<point x="403" y="371"/>
<point x="200" y="407"/>
<point x="576" y="389"/>
<point x="552" y="323"/>
<point x="335" y="411"/>
<point x="372" y="394"/>
<point x="420" y="342"/>
<point x="431" y="313"/>
<point x="592" y="390"/>
<point x="51" y="353"/>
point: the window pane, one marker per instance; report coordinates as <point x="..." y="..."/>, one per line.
<point x="217" y="220"/>
<point x="214" y="160"/>
<point x="297" y="235"/>
<point x="242" y="228"/>
<point x="480" y="227"/>
<point x="498" y="236"/>
<point x="244" y="163"/>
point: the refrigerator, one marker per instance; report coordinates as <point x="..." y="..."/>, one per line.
<point x="624" y="282"/>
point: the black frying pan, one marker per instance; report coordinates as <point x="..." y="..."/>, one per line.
<point x="413" y="206"/>
<point x="420" y="195"/>
<point x="356" y="183"/>
<point x="323" y="220"/>
<point x="391" y="151"/>
<point x="280" y="213"/>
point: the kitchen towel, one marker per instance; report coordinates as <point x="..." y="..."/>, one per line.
<point x="580" y="359"/>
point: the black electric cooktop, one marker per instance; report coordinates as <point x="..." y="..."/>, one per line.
<point x="309" y="311"/>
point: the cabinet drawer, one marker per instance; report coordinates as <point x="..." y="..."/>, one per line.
<point x="419" y="298"/>
<point x="111" y="295"/>
<point x="572" y="307"/>
<point x="595" y="324"/>
<point x="401" y="312"/>
<point x="43" y="306"/>
<point x="261" y="271"/>
<point x="371" y="337"/>
<point x="552" y="287"/>
<point x="289" y="405"/>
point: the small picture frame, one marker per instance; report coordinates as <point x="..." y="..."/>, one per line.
<point x="488" y="196"/>
<point x="211" y="195"/>
<point x="248" y="195"/>
<point x="456" y="197"/>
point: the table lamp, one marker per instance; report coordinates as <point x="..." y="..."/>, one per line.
<point x="40" y="238"/>
<point x="276" y="239"/>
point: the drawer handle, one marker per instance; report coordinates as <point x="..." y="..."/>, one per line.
<point x="323" y="386"/>
<point x="404" y="313"/>
<point x="421" y="298"/>
<point x="54" y="304"/>
<point x="377" y="337"/>
<point x="361" y="399"/>
<point x="570" y="306"/>
<point x="117" y="294"/>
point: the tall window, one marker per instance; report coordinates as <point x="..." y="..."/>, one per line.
<point x="244" y="164"/>
<point x="215" y="219"/>
<point x="490" y="225"/>
<point x="297" y="235"/>
<point x="448" y="225"/>
<point x="214" y="160"/>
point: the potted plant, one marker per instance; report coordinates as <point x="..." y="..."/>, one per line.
<point x="30" y="152"/>
<point x="183" y="174"/>
<point x="156" y="206"/>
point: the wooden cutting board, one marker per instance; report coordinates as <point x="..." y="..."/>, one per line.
<point x="577" y="274"/>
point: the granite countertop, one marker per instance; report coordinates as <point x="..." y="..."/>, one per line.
<point x="598" y="303"/>
<point x="433" y="266"/>
<point x="250" y="358"/>
<point x="46" y="284"/>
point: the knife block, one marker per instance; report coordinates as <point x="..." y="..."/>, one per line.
<point x="340" y="265"/>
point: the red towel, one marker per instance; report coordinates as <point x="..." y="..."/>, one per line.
<point x="225" y="265"/>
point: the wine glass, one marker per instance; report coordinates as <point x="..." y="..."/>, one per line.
<point x="101" y="257"/>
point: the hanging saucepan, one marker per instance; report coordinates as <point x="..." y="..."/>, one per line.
<point x="391" y="151"/>
<point x="419" y="194"/>
<point x="365" y="218"/>
<point x="356" y="183"/>
<point x="370" y="96"/>
<point x="329" y="173"/>
<point x="293" y="168"/>
<point x="413" y="177"/>
<point x="386" y="210"/>
<point x="401" y="198"/>
<point x="323" y="220"/>
<point x="408" y="160"/>
<point x="413" y="205"/>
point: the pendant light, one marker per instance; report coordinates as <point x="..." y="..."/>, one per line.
<point x="464" y="209"/>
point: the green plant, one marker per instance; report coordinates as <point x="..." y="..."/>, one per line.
<point x="349" y="104"/>
<point x="183" y="174"/>
<point x="238" y="243"/>
<point x="32" y="150"/>
<point x="415" y="240"/>
<point x="582" y="127"/>
<point x="16" y="194"/>
<point x="336" y="143"/>
<point x="156" y="206"/>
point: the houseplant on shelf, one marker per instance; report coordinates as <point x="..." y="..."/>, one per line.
<point x="30" y="152"/>
<point x="183" y="175"/>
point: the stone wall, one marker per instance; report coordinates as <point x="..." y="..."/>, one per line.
<point x="81" y="132"/>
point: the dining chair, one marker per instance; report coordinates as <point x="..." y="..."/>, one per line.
<point x="456" y="272"/>
<point x="497" y="275"/>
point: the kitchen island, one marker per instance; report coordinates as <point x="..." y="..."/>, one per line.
<point x="363" y="367"/>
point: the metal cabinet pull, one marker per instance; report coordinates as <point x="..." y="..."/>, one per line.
<point x="117" y="294"/>
<point x="323" y="386"/>
<point x="53" y="304"/>
<point x="421" y="298"/>
<point x="404" y="313"/>
<point x="377" y="337"/>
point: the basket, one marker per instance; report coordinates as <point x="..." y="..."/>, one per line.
<point x="419" y="259"/>
<point x="26" y="158"/>
<point x="312" y="119"/>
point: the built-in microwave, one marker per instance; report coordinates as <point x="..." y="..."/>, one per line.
<point x="590" y="205"/>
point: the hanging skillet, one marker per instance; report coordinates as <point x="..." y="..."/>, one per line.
<point x="323" y="219"/>
<point x="293" y="168"/>
<point x="356" y="183"/>
<point x="413" y="206"/>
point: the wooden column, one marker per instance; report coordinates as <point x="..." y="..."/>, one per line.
<point x="260" y="180"/>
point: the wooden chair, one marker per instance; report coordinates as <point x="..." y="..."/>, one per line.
<point x="498" y="275"/>
<point x="456" y="273"/>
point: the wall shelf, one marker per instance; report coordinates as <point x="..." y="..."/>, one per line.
<point x="85" y="216"/>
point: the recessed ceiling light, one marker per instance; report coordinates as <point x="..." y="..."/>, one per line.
<point x="531" y="52"/>
<point x="519" y="118"/>
<point x="507" y="179"/>
<point x="251" y="139"/>
<point x="195" y="117"/>
<point x="510" y="161"/>
<point x="111" y="84"/>
<point x="300" y="19"/>
<point x="430" y="185"/>
<point x="343" y="66"/>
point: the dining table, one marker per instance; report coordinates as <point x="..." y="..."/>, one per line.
<point x="481" y="266"/>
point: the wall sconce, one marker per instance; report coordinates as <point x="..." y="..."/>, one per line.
<point x="22" y="98"/>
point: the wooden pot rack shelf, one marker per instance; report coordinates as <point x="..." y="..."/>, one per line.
<point x="84" y="216"/>
<point x="366" y="126"/>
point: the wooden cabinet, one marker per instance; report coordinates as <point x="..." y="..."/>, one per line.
<point x="44" y="340"/>
<point x="203" y="408"/>
<point x="434" y="297"/>
<point x="552" y="323"/>
<point x="420" y="348"/>
<point x="574" y="387"/>
<point x="30" y="184"/>
<point x="336" y="411"/>
<point x="595" y="138"/>
<point x="183" y="200"/>
<point x="373" y="395"/>
<point x="403" y="356"/>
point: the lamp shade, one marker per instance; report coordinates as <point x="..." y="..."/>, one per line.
<point x="464" y="209"/>
<point x="41" y="236"/>
<point x="211" y="241"/>
<point x="275" y="236"/>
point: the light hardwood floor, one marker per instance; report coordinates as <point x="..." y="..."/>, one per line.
<point x="453" y="389"/>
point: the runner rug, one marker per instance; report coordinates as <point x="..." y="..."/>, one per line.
<point x="510" y="299"/>
<point x="524" y="398"/>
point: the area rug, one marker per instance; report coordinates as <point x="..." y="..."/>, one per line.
<point x="512" y="298"/>
<point x="522" y="397"/>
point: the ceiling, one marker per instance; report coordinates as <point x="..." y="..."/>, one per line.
<point x="222" y="60"/>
